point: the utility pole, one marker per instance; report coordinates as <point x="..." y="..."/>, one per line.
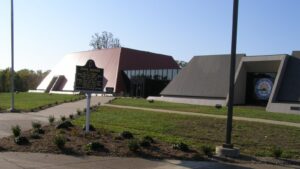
<point x="12" y="73"/>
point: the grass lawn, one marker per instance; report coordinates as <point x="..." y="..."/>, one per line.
<point x="251" y="112"/>
<point x="253" y="138"/>
<point x="28" y="101"/>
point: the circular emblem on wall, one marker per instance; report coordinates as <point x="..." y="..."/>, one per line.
<point x="263" y="88"/>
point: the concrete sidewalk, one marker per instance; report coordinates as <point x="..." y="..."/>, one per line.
<point x="24" y="119"/>
<point x="12" y="160"/>
<point x="209" y="115"/>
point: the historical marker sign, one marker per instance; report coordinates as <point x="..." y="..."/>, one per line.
<point x="89" y="78"/>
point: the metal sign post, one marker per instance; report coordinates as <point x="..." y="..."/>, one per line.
<point x="87" y="114"/>
<point x="88" y="79"/>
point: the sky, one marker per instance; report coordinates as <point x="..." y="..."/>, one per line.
<point x="46" y="30"/>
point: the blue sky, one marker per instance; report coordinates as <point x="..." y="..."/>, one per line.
<point x="46" y="30"/>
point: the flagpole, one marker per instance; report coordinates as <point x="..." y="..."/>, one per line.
<point x="12" y="59"/>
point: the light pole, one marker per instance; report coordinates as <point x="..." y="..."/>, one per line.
<point x="227" y="149"/>
<point x="12" y="59"/>
<point x="228" y="143"/>
<point x="232" y="74"/>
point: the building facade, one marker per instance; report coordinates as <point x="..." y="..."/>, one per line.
<point x="126" y="71"/>
<point x="272" y="81"/>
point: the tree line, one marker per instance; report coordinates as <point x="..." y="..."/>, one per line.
<point x="24" y="79"/>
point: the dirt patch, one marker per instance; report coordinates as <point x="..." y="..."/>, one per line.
<point x="77" y="139"/>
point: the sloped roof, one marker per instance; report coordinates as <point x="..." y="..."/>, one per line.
<point x="204" y="76"/>
<point x="111" y="60"/>
<point x="107" y="59"/>
<point x="290" y="84"/>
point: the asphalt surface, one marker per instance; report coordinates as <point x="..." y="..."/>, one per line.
<point x="12" y="160"/>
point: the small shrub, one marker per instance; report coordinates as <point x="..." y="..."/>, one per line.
<point x="71" y="116"/>
<point x="126" y="135"/>
<point x="277" y="152"/>
<point x="36" y="125"/>
<point x="91" y="128"/>
<point x="218" y="106"/>
<point x="133" y="145"/>
<point x="16" y="130"/>
<point x="63" y="118"/>
<point x="149" y="138"/>
<point x="21" y="140"/>
<point x="60" y="141"/>
<point x="94" y="146"/>
<point x="79" y="112"/>
<point x="64" y="125"/>
<point x="151" y="101"/>
<point x="145" y="143"/>
<point x="207" y="150"/>
<point x="51" y="119"/>
<point x="181" y="146"/>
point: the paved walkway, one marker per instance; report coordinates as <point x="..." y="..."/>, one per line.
<point x="12" y="160"/>
<point x="209" y="115"/>
<point x="24" y="119"/>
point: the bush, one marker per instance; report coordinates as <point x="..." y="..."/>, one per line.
<point x="207" y="150"/>
<point x="16" y="130"/>
<point x="63" y="118"/>
<point x="126" y="135"/>
<point x="51" y="119"/>
<point x="133" y="145"/>
<point x="36" y="125"/>
<point x="151" y="101"/>
<point x="91" y="128"/>
<point x="79" y="112"/>
<point x="64" y="125"/>
<point x="21" y="140"/>
<point x="94" y="146"/>
<point x="277" y="152"/>
<point x="181" y="146"/>
<point x="149" y="138"/>
<point x="60" y="141"/>
<point x="71" y="116"/>
<point x="146" y="141"/>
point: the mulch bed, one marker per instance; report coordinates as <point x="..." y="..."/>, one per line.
<point x="77" y="139"/>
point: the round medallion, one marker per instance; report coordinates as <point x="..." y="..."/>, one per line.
<point x="263" y="88"/>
